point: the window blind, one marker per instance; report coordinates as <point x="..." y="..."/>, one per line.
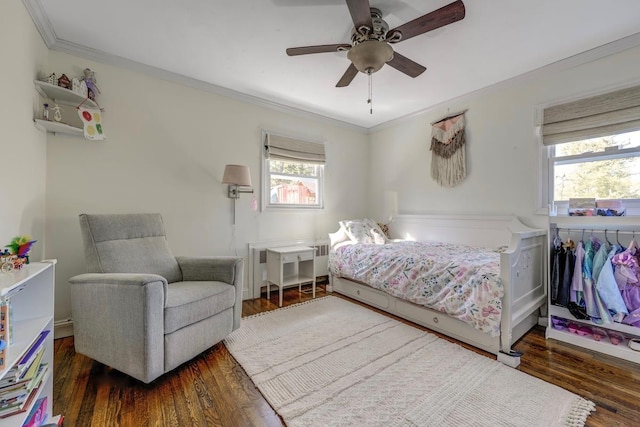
<point x="290" y="149"/>
<point x="607" y="114"/>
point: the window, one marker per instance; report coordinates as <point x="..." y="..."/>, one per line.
<point x="293" y="173"/>
<point x="604" y="168"/>
<point x="593" y="149"/>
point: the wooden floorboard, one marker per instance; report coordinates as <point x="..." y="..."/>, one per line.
<point x="213" y="390"/>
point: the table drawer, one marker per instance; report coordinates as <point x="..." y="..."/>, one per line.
<point x="297" y="256"/>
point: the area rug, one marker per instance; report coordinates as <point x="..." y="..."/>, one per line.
<point x="330" y="362"/>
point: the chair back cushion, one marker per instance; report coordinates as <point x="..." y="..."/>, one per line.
<point x="128" y="243"/>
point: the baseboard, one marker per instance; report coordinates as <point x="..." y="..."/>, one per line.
<point x="63" y="328"/>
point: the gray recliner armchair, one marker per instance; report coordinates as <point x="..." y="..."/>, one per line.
<point x="143" y="311"/>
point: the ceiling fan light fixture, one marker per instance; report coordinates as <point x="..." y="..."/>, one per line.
<point x="370" y="56"/>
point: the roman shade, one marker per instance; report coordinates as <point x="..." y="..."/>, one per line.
<point x="607" y="114"/>
<point x="290" y="149"/>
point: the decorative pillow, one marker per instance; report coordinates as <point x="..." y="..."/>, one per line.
<point x="363" y="231"/>
<point x="385" y="230"/>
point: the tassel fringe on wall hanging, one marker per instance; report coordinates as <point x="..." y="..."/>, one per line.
<point x="448" y="160"/>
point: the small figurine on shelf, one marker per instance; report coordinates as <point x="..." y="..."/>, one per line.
<point x="57" y="112"/>
<point x="90" y="80"/>
<point x="63" y="81"/>
<point x="45" y="112"/>
<point x="52" y="80"/>
<point x="79" y="87"/>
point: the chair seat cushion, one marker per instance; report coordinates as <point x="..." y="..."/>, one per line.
<point x="192" y="301"/>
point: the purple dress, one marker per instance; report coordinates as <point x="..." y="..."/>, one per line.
<point x="627" y="274"/>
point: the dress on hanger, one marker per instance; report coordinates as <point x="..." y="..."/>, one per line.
<point x="627" y="275"/>
<point x="607" y="289"/>
<point x="589" y="286"/>
<point x="557" y="268"/>
<point x="577" y="287"/>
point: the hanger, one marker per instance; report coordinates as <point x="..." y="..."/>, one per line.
<point x="569" y="244"/>
<point x="556" y="240"/>
<point x="618" y="238"/>
<point x="606" y="239"/>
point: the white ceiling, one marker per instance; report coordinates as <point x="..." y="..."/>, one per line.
<point x="239" y="46"/>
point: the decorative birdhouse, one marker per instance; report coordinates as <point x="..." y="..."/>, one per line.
<point x="52" y="79"/>
<point x="63" y="81"/>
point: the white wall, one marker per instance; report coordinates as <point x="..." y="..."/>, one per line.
<point x="502" y="146"/>
<point x="22" y="147"/>
<point x="166" y="148"/>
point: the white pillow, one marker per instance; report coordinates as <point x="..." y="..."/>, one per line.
<point x="338" y="237"/>
<point x="363" y="231"/>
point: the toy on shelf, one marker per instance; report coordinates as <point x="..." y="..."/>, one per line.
<point x="63" y="81"/>
<point x="90" y="80"/>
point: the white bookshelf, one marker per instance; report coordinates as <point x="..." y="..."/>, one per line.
<point x="31" y="292"/>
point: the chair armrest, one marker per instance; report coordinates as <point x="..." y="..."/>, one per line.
<point x="223" y="269"/>
<point x="120" y="279"/>
<point x="217" y="268"/>
<point x="118" y="320"/>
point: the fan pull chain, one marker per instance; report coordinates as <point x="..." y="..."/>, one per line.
<point x="370" y="100"/>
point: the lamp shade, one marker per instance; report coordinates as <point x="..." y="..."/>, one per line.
<point x="237" y="175"/>
<point x="370" y="56"/>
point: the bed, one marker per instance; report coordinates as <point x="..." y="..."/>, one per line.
<point x="478" y="279"/>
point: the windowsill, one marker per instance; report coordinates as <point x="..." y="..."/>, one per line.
<point x="632" y="209"/>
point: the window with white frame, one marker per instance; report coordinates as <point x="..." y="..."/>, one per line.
<point x="293" y="173"/>
<point x="593" y="149"/>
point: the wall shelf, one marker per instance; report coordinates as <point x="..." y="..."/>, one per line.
<point x="62" y="96"/>
<point x="55" y="127"/>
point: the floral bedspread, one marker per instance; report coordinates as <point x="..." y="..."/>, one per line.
<point x="462" y="281"/>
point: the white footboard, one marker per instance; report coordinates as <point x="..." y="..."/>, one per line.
<point x="522" y="270"/>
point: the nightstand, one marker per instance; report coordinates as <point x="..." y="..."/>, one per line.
<point x="290" y="265"/>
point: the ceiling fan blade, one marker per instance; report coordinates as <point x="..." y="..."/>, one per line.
<point x="438" y="18"/>
<point x="348" y="76"/>
<point x="360" y="13"/>
<point x="405" y="65"/>
<point x="305" y="50"/>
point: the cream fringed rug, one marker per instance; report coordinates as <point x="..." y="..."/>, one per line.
<point x="329" y="362"/>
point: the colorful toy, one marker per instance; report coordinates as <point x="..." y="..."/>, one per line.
<point x="20" y="246"/>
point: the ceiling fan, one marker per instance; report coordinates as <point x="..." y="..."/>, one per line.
<point x="371" y="39"/>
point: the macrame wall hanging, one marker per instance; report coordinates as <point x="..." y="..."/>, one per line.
<point x="448" y="160"/>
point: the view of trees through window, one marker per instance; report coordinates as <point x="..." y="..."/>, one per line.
<point x="598" y="168"/>
<point x="293" y="183"/>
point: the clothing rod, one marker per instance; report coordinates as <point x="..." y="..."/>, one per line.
<point x="449" y="116"/>
<point x="599" y="230"/>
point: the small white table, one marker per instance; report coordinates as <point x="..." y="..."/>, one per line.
<point x="291" y="265"/>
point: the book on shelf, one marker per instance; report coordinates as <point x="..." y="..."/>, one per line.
<point x="38" y="414"/>
<point x="19" y="407"/>
<point x="13" y="398"/>
<point x="21" y="403"/>
<point x="16" y="373"/>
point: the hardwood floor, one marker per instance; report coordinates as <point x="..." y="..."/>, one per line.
<point x="213" y="390"/>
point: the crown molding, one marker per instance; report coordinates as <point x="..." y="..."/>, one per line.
<point x="41" y="21"/>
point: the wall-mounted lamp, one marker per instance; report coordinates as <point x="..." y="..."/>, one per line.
<point x="237" y="176"/>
